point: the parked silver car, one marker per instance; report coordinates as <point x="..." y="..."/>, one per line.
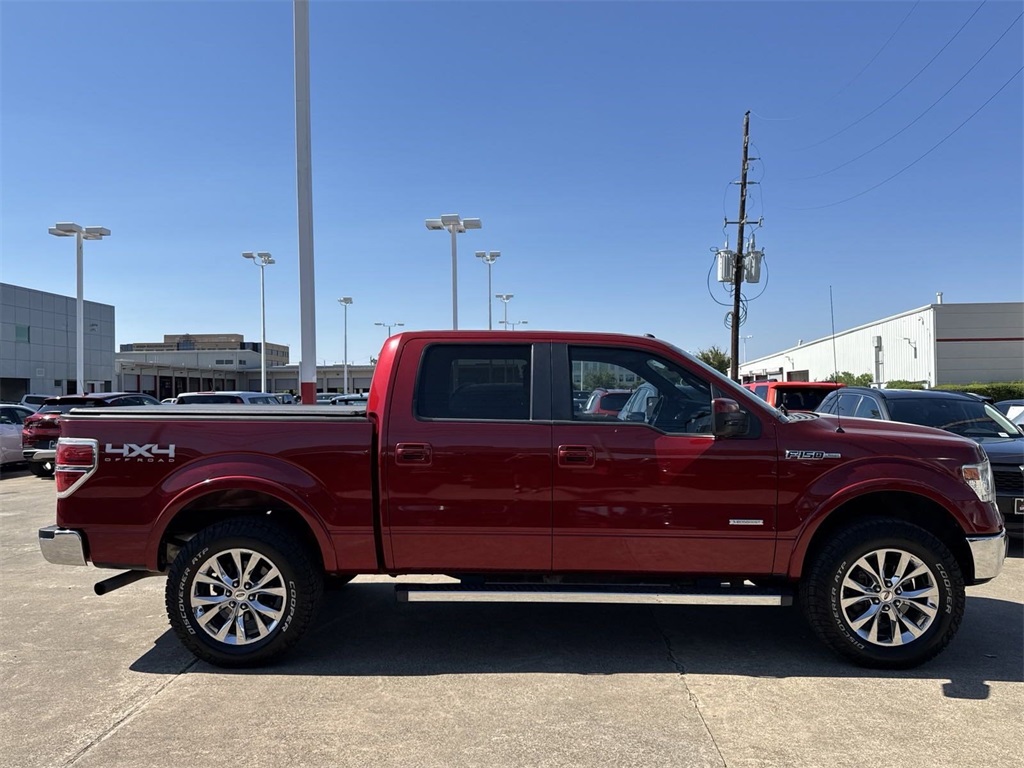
<point x="11" y="418"/>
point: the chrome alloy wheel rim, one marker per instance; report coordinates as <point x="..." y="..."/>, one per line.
<point x="238" y="597"/>
<point x="890" y="597"/>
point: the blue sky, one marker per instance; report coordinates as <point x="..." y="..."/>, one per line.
<point x="596" y="141"/>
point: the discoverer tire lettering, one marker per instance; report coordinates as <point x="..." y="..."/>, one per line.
<point x="242" y="592"/>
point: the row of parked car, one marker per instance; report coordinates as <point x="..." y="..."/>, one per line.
<point x="29" y="429"/>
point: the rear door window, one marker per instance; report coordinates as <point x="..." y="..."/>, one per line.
<point x="488" y="382"/>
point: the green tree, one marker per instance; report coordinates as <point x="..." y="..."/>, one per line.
<point x="716" y="358"/>
<point x="600" y="380"/>
<point x="852" y="380"/>
<point x="903" y="384"/>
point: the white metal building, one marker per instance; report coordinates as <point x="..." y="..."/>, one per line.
<point x="38" y="337"/>
<point x="936" y="344"/>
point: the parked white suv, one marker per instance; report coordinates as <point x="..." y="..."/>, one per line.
<point x="33" y="401"/>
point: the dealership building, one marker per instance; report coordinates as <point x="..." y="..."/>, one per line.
<point x="935" y="344"/>
<point x="38" y="333"/>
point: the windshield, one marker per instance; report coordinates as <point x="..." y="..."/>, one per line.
<point x="66" y="407"/>
<point x="725" y="387"/>
<point x="801" y="398"/>
<point x="967" y="418"/>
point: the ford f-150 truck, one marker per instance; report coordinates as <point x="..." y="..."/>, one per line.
<point x="472" y="462"/>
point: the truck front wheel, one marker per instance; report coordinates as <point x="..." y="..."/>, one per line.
<point x="884" y="594"/>
<point x="242" y="592"/>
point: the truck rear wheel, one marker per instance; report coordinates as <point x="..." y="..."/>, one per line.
<point x="242" y="592"/>
<point x="884" y="594"/>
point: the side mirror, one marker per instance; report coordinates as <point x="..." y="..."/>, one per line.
<point x="730" y="419"/>
<point x="636" y="416"/>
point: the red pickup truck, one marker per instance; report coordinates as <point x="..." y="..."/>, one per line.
<point x="472" y="462"/>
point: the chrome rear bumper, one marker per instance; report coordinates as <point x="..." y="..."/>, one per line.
<point x="62" y="546"/>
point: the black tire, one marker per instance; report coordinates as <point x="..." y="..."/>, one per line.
<point x="287" y="590"/>
<point x="862" y="598"/>
<point x="41" y="468"/>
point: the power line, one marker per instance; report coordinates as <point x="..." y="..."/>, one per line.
<point x="922" y="157"/>
<point x="854" y="79"/>
<point x="903" y="88"/>
<point x="884" y="46"/>
<point x="934" y="103"/>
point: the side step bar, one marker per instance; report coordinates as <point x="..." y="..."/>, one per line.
<point x="576" y="593"/>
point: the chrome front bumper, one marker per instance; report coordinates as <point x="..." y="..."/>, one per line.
<point x="988" y="553"/>
<point x="62" y="546"/>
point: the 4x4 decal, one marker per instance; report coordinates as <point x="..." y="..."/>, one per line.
<point x="149" y="452"/>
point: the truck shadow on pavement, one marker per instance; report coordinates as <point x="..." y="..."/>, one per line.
<point x="362" y="631"/>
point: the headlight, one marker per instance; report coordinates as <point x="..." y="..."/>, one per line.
<point x="979" y="477"/>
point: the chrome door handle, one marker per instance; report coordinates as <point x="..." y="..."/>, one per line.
<point x="413" y="453"/>
<point x="576" y="456"/>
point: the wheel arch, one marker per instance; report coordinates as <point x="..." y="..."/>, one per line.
<point x="910" y="507"/>
<point x="227" y="498"/>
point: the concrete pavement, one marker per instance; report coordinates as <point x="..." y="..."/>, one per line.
<point x="100" y="681"/>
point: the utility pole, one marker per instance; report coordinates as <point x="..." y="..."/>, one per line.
<point x="737" y="276"/>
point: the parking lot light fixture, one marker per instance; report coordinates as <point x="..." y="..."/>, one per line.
<point x="511" y="325"/>
<point x="80" y="233"/>
<point x="455" y="224"/>
<point x="389" y="326"/>
<point x="262" y="259"/>
<point x="345" y="301"/>
<point x="488" y="257"/>
<point x="505" y="298"/>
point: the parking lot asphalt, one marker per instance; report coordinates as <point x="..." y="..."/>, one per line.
<point x="91" y="682"/>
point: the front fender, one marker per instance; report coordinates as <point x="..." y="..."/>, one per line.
<point x="286" y="482"/>
<point x="846" y="483"/>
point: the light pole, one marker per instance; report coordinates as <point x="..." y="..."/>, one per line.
<point x="67" y="229"/>
<point x="454" y="224"/>
<point x="345" y="301"/>
<point x="389" y="326"/>
<point x="744" y="339"/>
<point x="511" y="326"/>
<point x="261" y="259"/>
<point x="489" y="257"/>
<point x="505" y="298"/>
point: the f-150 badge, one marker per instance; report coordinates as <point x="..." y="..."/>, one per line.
<point x="812" y="455"/>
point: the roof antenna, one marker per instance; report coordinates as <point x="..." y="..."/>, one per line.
<point x="835" y="358"/>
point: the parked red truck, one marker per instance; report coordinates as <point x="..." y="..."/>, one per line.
<point x="471" y="462"/>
